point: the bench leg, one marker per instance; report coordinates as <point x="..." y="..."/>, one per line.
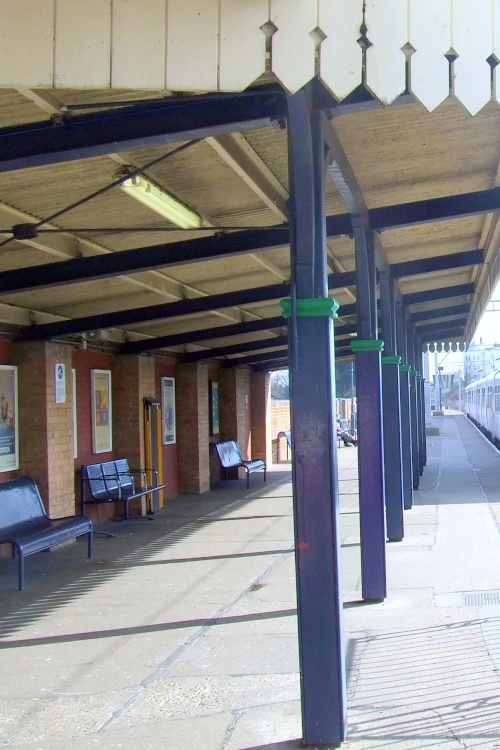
<point x="90" y="543"/>
<point x="20" y="557"/>
<point x="265" y="469"/>
<point x="248" y="480"/>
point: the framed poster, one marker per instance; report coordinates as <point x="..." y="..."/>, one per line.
<point x="9" y="430"/>
<point x="213" y="407"/>
<point x="168" y="410"/>
<point x="102" y="440"/>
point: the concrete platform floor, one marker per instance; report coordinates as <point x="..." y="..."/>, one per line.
<point x="181" y="632"/>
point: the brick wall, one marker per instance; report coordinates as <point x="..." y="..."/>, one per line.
<point x="192" y="427"/>
<point x="170" y="452"/>
<point x="46" y="428"/>
<point x="260" y="410"/>
<point x="84" y="362"/>
<point x="280" y="420"/>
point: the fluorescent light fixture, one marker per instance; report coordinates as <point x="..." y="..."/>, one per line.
<point x="162" y="202"/>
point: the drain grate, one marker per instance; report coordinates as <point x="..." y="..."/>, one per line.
<point x="481" y="598"/>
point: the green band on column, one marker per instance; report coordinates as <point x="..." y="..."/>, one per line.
<point x="413" y="372"/>
<point x="388" y="359"/>
<point x="369" y="345"/>
<point x="316" y="307"/>
<point x="404" y="368"/>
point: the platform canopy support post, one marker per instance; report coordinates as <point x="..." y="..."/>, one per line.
<point x="415" y="426"/>
<point x="392" y="414"/>
<point x="368" y="348"/>
<point x="404" y="381"/>
<point x="314" y="458"/>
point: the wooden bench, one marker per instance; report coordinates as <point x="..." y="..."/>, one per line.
<point x="116" y="482"/>
<point x="25" y="524"/>
<point x="287" y="434"/>
<point x="230" y="458"/>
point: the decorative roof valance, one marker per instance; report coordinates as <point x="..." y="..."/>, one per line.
<point x="430" y="48"/>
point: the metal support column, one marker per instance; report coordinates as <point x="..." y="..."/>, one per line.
<point x="421" y="400"/>
<point x="314" y="457"/>
<point x="392" y="414"/>
<point x="417" y="359"/>
<point x="415" y="446"/>
<point x="404" y="382"/>
<point x="368" y="350"/>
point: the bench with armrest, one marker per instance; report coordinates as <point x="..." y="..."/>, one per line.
<point x="230" y="457"/>
<point x="116" y="482"/>
<point x="25" y="524"/>
<point x="287" y="434"/>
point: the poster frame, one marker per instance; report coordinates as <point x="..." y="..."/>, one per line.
<point x="168" y="412"/>
<point x="10" y="461"/>
<point x="102" y="433"/>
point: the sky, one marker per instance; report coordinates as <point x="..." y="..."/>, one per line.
<point x="488" y="330"/>
<point x="489" y="325"/>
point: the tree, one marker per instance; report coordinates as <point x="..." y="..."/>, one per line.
<point x="345" y="379"/>
<point x="280" y="384"/>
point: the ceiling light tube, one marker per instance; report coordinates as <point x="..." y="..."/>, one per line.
<point x="162" y="202"/>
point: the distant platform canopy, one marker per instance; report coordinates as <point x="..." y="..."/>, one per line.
<point x="428" y="48"/>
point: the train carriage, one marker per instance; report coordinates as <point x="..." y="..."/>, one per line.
<point x="482" y="404"/>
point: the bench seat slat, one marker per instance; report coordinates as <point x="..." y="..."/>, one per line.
<point x="24" y="523"/>
<point x="114" y="481"/>
<point x="230" y="457"/>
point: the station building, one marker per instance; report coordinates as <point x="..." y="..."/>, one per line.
<point x="192" y="195"/>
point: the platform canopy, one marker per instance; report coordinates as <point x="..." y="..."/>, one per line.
<point x="192" y="97"/>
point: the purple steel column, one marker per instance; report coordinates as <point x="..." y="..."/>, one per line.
<point x="392" y="414"/>
<point x="415" y="442"/>
<point x="314" y="457"/>
<point x="392" y="448"/>
<point x="422" y="411"/>
<point x="370" y="432"/>
<point x="407" y="465"/>
<point x="371" y="469"/>
<point x="404" y="383"/>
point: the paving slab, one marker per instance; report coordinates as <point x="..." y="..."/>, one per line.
<point x="182" y="633"/>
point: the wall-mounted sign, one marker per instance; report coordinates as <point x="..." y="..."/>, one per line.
<point x="60" y="378"/>
<point x="102" y="441"/>
<point x="9" y="432"/>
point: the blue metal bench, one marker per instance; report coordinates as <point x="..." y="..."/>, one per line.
<point x="116" y="482"/>
<point x="230" y="458"/>
<point x="25" y="524"/>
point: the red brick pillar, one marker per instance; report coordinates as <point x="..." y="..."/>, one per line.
<point x="234" y="405"/>
<point x="260" y="415"/>
<point x="191" y="394"/>
<point x="133" y="379"/>
<point x="46" y="427"/>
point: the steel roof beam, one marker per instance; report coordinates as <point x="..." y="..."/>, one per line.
<point x="442" y="334"/>
<point x="440" y="312"/>
<point x="139" y="126"/>
<point x="214" y="302"/>
<point x="457" y="323"/>
<point x="171" y="309"/>
<point x="225" y="351"/>
<point x="254" y="358"/>
<point x="278" y="364"/>
<point x="446" y="292"/>
<point x="436" y="263"/>
<point x="142" y="259"/>
<point x="192" y="251"/>
<point x="203" y="334"/>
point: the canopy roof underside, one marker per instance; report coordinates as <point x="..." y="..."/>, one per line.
<point x="428" y="175"/>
